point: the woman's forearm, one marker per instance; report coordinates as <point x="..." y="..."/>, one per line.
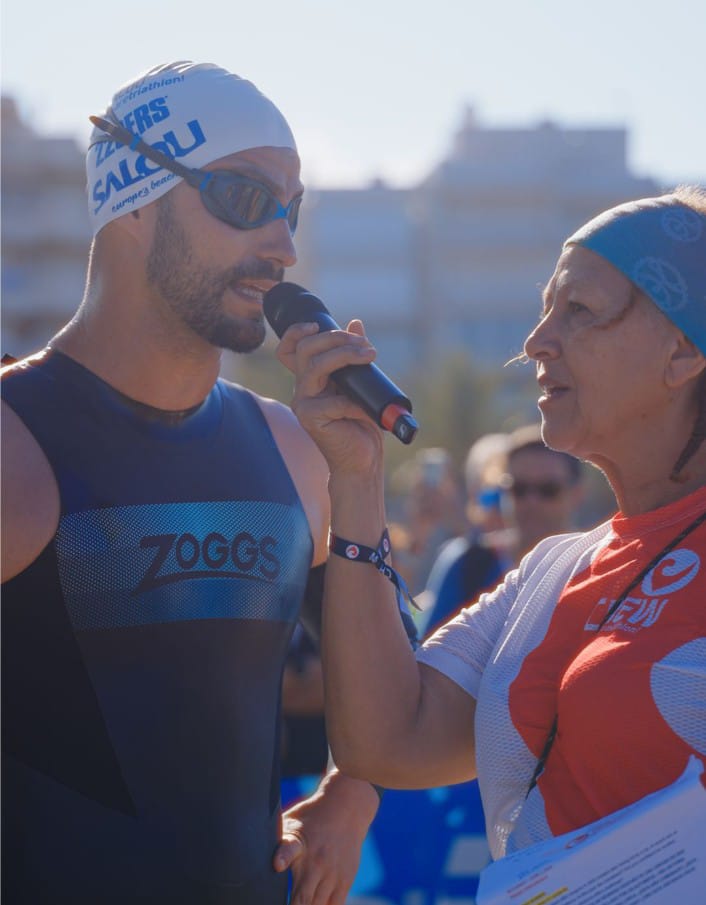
<point x="384" y="722"/>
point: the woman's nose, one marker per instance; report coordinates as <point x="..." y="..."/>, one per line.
<point x="542" y="341"/>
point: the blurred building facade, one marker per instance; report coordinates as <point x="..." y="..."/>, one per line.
<point x="456" y="261"/>
<point x="451" y="263"/>
<point x="45" y="232"/>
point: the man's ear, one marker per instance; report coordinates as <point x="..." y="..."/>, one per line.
<point x="139" y="224"/>
<point x="685" y="362"/>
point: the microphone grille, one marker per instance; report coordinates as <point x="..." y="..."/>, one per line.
<point x="287" y="303"/>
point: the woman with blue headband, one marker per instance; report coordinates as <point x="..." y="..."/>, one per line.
<point x="577" y="686"/>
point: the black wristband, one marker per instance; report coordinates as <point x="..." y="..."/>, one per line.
<point x="360" y="553"/>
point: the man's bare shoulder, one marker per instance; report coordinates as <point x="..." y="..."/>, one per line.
<point x="30" y="497"/>
<point x="292" y="440"/>
<point x="307" y="467"/>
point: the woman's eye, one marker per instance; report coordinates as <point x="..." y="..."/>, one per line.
<point x="576" y="308"/>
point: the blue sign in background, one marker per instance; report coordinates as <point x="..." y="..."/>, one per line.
<point x="424" y="847"/>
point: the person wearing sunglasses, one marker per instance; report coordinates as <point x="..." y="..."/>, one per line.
<point x="162" y="531"/>
<point x="577" y="686"/>
<point x="542" y="490"/>
<point x="538" y="492"/>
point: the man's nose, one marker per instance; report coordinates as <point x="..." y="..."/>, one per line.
<point x="280" y="243"/>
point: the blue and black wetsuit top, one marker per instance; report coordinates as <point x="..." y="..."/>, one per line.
<point x="142" y="650"/>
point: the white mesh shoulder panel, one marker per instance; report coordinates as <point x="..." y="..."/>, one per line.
<point x="483" y="649"/>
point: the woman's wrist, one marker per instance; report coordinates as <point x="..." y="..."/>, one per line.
<point x="357" y="509"/>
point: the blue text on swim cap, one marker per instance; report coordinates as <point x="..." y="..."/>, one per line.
<point x="133" y="169"/>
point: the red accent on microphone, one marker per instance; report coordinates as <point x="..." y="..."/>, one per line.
<point x="390" y="414"/>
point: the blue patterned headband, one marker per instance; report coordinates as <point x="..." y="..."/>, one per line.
<point x="660" y="245"/>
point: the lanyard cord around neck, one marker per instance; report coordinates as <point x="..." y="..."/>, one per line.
<point x="614" y="606"/>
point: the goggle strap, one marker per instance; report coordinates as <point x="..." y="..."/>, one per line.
<point x="194" y="177"/>
<point x="135" y="143"/>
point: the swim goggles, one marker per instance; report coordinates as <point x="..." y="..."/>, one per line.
<point x="235" y="199"/>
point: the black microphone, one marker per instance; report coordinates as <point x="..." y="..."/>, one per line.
<point x="286" y="304"/>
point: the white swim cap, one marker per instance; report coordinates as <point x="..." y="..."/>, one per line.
<point x="195" y="113"/>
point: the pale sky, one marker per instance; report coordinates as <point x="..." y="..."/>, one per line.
<point x="377" y="88"/>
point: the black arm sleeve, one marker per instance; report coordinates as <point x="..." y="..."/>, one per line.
<point x="310" y="616"/>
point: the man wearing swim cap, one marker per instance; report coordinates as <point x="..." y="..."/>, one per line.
<point x="162" y="529"/>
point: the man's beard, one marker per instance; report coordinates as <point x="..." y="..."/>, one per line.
<point x="195" y="293"/>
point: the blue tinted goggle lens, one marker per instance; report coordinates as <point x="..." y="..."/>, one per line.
<point x="244" y="202"/>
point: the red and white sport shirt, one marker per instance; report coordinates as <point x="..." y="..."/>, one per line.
<point x="630" y="697"/>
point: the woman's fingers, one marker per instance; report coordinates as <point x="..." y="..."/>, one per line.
<point x="313" y="357"/>
<point x="287" y="347"/>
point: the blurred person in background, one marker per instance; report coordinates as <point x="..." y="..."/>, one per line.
<point x="538" y="492"/>
<point x="483" y="469"/>
<point x="162" y="530"/>
<point x="591" y="653"/>
<point x="432" y="513"/>
<point x="542" y="491"/>
<point x="470" y="562"/>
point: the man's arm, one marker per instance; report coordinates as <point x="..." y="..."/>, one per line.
<point x="307" y="468"/>
<point x="322" y="839"/>
<point x="30" y="497"/>
<point x="323" y="835"/>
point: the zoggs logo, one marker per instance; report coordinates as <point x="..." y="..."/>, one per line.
<point x="672" y="573"/>
<point x="131" y="171"/>
<point x="179" y="557"/>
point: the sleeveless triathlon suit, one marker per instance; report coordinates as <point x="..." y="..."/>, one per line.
<point x="142" y="651"/>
